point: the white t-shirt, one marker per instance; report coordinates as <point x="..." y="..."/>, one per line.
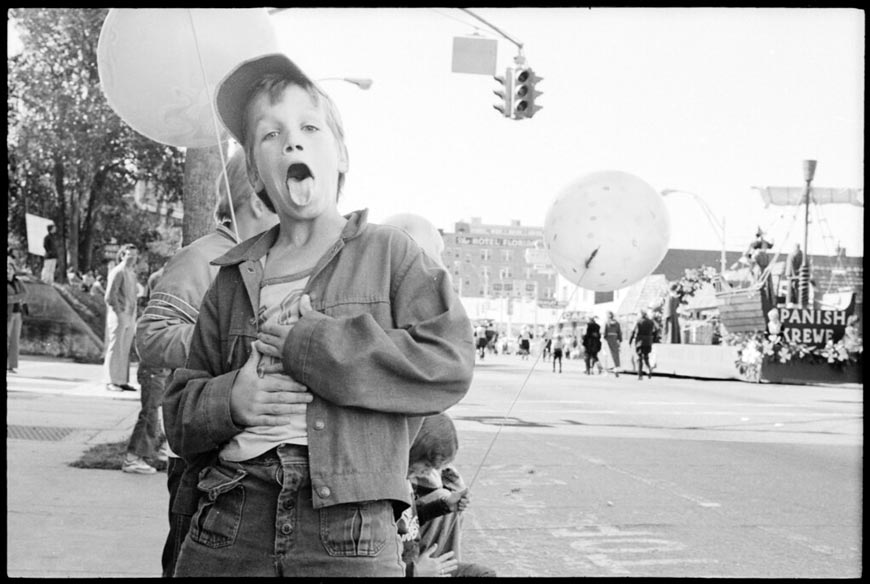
<point x="279" y="302"/>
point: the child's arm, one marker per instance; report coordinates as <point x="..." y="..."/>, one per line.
<point x="422" y="365"/>
<point x="205" y="405"/>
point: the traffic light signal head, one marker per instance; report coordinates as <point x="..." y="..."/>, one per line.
<point x="518" y="93"/>
<point x="525" y="93"/>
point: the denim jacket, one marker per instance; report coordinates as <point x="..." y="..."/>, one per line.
<point x="389" y="342"/>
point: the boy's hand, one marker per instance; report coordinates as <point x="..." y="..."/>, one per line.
<point x="425" y="566"/>
<point x="272" y="335"/>
<point x="265" y="400"/>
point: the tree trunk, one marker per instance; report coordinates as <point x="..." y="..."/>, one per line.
<point x="61" y="237"/>
<point x="86" y="246"/>
<point x="75" y="211"/>
<point x="201" y="169"/>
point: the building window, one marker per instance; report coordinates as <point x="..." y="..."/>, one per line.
<point x="485" y="255"/>
<point x="506" y="255"/>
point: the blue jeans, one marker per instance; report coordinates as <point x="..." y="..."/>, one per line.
<point x="179" y="524"/>
<point x="256" y="518"/>
<point x="152" y="383"/>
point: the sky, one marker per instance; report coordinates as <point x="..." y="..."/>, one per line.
<point x="705" y="101"/>
<point x="709" y="101"/>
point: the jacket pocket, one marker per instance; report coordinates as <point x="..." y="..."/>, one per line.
<point x="216" y="521"/>
<point x="357" y="529"/>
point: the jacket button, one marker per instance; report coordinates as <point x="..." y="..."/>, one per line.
<point x="253" y="320"/>
<point x="289" y="503"/>
<point x="324" y="492"/>
<point x="250" y="270"/>
<point x="319" y="425"/>
<point x="286" y="529"/>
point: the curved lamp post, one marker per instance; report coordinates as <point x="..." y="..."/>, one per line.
<point x="718" y="227"/>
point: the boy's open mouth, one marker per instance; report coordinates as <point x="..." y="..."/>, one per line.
<point x="299" y="187"/>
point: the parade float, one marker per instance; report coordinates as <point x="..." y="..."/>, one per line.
<point x="783" y="328"/>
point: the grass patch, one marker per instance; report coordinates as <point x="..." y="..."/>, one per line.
<point x="109" y="456"/>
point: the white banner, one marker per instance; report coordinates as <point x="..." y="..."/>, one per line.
<point x="37" y="229"/>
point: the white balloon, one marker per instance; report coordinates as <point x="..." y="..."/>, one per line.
<point x="159" y="67"/>
<point x="421" y="230"/>
<point x="607" y="230"/>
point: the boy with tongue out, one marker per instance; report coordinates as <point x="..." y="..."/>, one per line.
<point x="318" y="348"/>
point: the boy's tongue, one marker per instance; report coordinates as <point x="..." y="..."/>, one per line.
<point x="300" y="190"/>
<point x="300" y="184"/>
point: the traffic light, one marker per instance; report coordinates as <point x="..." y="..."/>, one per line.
<point x="518" y="93"/>
<point x="525" y="93"/>
<point x="506" y="93"/>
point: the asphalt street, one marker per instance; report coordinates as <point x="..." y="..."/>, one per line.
<point x="571" y="475"/>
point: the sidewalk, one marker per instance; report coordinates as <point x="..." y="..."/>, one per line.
<point x="69" y="522"/>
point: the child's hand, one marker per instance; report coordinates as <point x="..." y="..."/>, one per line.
<point x="458" y="500"/>
<point x="272" y="335"/>
<point x="425" y="566"/>
<point x="265" y="400"/>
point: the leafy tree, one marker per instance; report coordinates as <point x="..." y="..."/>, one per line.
<point x="70" y="157"/>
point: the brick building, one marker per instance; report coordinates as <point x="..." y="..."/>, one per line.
<point x="499" y="261"/>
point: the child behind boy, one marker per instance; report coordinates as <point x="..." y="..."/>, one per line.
<point x="433" y="523"/>
<point x="353" y="315"/>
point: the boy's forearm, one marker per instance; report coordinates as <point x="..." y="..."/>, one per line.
<point x="197" y="412"/>
<point x="355" y="362"/>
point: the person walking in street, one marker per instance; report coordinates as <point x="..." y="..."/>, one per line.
<point x="592" y="345"/>
<point x="643" y="335"/>
<point x="16" y="308"/>
<point x="354" y="316"/>
<point x="480" y="340"/>
<point x="558" y="346"/>
<point x="120" y="319"/>
<point x="613" y="337"/>
<point x="145" y="440"/>
<point x="49" y="263"/>
<point x="525" y="342"/>
<point x="164" y="331"/>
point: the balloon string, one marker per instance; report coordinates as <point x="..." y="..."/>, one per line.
<point x="217" y="130"/>
<point x="526" y="380"/>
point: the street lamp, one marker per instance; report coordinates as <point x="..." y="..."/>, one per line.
<point x="363" y="83"/>
<point x="718" y="228"/>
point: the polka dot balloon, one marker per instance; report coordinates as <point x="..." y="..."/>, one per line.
<point x="606" y="230"/>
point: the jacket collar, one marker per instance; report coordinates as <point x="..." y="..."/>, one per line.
<point x="255" y="248"/>
<point x="225" y="231"/>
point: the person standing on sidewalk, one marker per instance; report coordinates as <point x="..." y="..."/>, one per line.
<point x="164" y="331"/>
<point x="16" y="307"/>
<point x="120" y="319"/>
<point x="613" y="337"/>
<point x="145" y="440"/>
<point x="558" y="347"/>
<point x="592" y="345"/>
<point x="643" y="335"/>
<point x="354" y="316"/>
<point x="49" y="262"/>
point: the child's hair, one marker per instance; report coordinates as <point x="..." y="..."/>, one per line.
<point x="274" y="85"/>
<point x="436" y="443"/>
<point x="241" y="188"/>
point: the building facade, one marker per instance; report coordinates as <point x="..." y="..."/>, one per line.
<point x="499" y="261"/>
